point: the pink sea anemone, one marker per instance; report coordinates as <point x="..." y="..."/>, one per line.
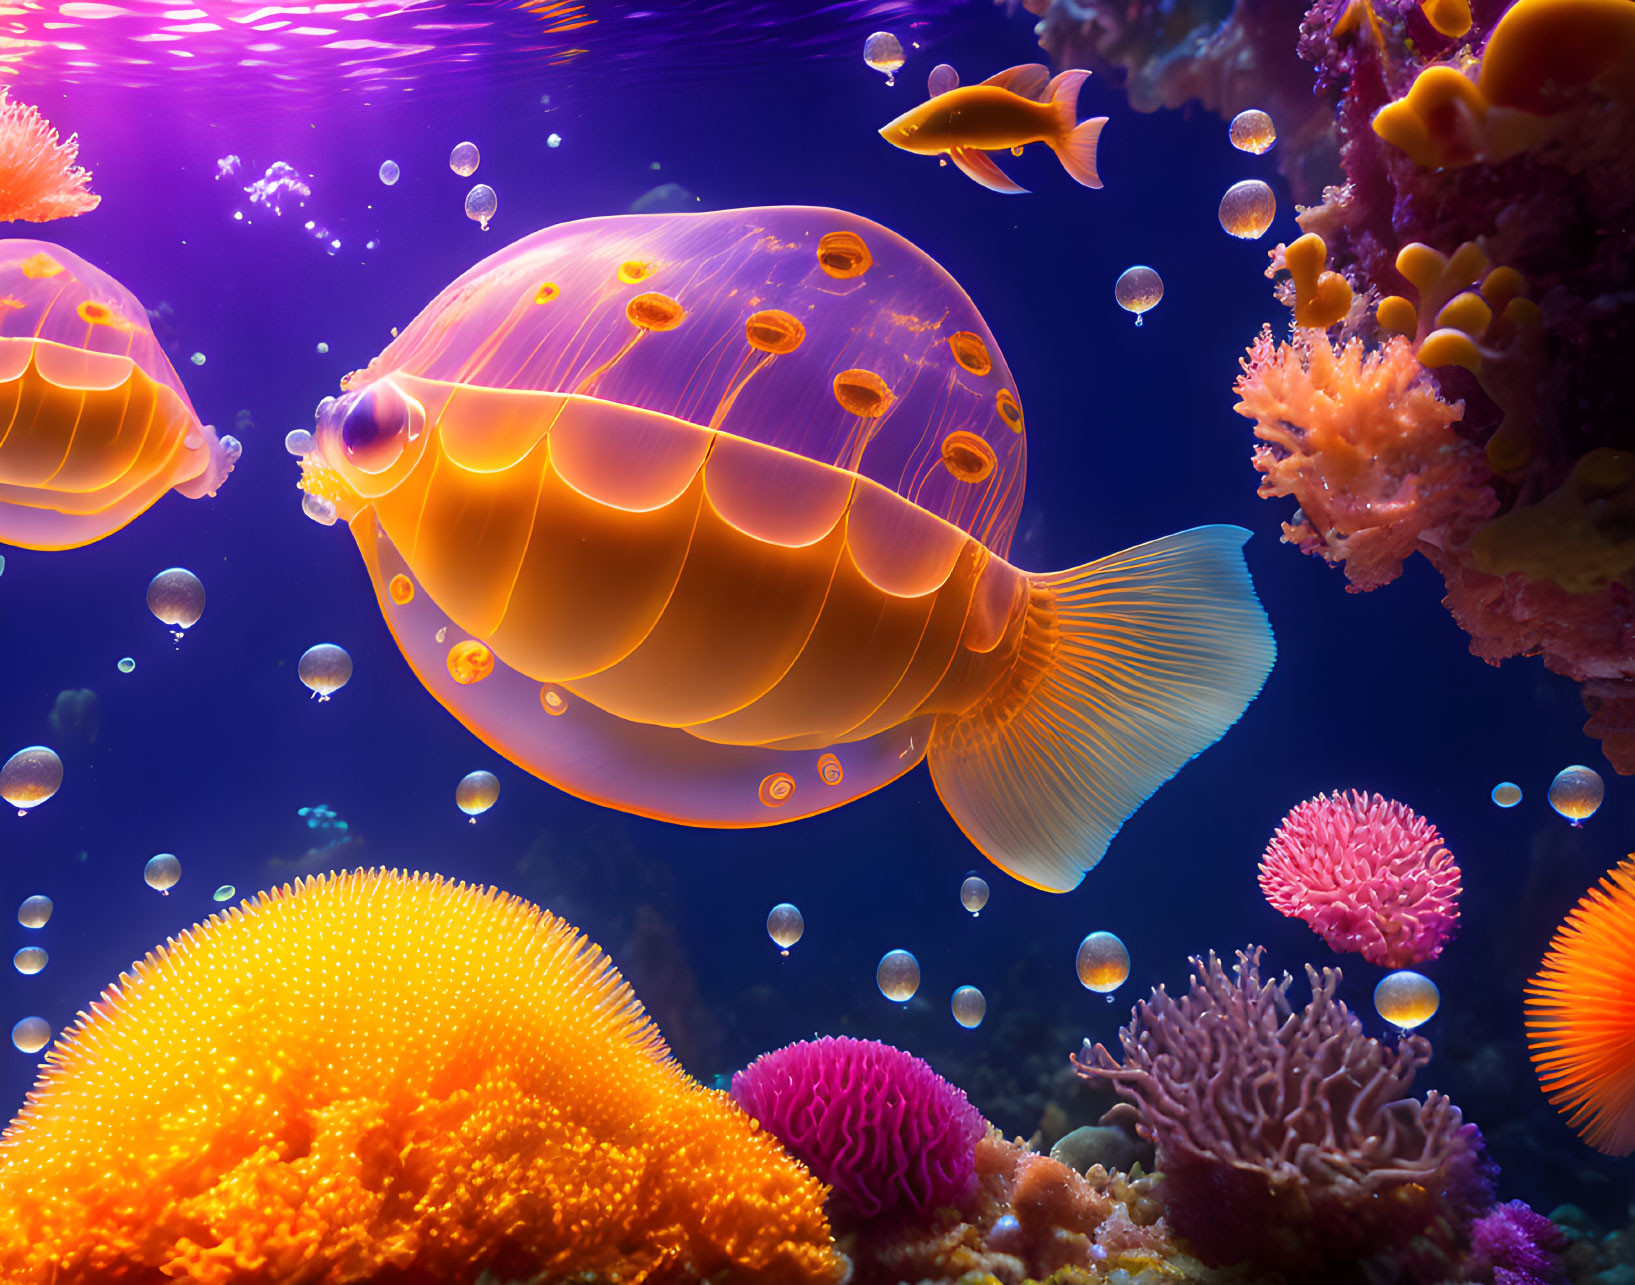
<point x="875" y="1123"/>
<point x="38" y="178"/>
<point x="1367" y="875"/>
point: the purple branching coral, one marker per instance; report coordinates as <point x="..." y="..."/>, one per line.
<point x="1288" y="1139"/>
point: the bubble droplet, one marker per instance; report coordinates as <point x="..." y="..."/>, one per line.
<point x="884" y="52"/>
<point x="1507" y="794"/>
<point x="785" y="925"/>
<point x="1138" y="290"/>
<point x="464" y="159"/>
<point x="31" y="1034"/>
<point x="476" y="793"/>
<point x="35" y="912"/>
<point x="1248" y="209"/>
<point x="1406" y="999"/>
<point x="30" y="777"/>
<point x="162" y="872"/>
<point x="973" y="894"/>
<point x="389" y="172"/>
<point x="225" y="893"/>
<point x="898" y="976"/>
<point x="1576" y="793"/>
<point x="176" y="598"/>
<point x="969" y="1006"/>
<point x="481" y="202"/>
<point x="325" y="669"/>
<point x="1103" y="963"/>
<point x="1253" y="131"/>
<point x="30" y="960"/>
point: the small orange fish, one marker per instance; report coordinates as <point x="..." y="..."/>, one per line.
<point x="1020" y="105"/>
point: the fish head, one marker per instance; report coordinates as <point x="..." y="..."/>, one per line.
<point x="359" y="448"/>
<point x="903" y="131"/>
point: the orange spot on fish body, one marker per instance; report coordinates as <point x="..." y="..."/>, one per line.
<point x="401" y="590"/>
<point x="774" y="331"/>
<point x="863" y="393"/>
<point x="1009" y="410"/>
<point x="776" y="790"/>
<point x="552" y="701"/>
<point x="655" y="312"/>
<point x="970" y="352"/>
<point x="40" y="265"/>
<point x="843" y="255"/>
<point x="470" y="662"/>
<point x="829" y="770"/>
<point x="97" y="314"/>
<point x="633" y="270"/>
<point x="967" y="456"/>
<point x="547" y="292"/>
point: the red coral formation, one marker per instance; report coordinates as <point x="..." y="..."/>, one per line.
<point x="1288" y="1140"/>
<point x="38" y="178"/>
<point x="1367" y="875"/>
<point x="877" y="1124"/>
<point x="1487" y="222"/>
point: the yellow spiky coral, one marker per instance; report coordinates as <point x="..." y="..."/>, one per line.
<point x="378" y="1074"/>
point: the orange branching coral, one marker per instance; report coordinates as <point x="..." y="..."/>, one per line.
<point x="38" y="178"/>
<point x="374" y="1075"/>
<point x="1365" y="444"/>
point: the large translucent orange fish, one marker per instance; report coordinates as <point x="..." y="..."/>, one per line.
<point x="95" y="426"/>
<point x="1020" y="105"/>
<point x="705" y="516"/>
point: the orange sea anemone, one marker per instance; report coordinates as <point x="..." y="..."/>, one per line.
<point x="1581" y="1015"/>
<point x="384" y="1076"/>
<point x="38" y="178"/>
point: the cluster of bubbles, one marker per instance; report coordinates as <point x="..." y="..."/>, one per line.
<point x="32" y="1033"/>
<point x="1576" y="793"/>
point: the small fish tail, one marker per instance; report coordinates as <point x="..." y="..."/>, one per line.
<point x="1075" y="144"/>
<point x="1127" y="668"/>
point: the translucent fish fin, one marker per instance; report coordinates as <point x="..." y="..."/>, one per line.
<point x="980" y="166"/>
<point x="1076" y="144"/>
<point x="942" y="79"/>
<point x="1078" y="151"/>
<point x="1127" y="668"/>
<point x="1030" y="79"/>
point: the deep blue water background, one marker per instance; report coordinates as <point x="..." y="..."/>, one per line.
<point x="209" y="748"/>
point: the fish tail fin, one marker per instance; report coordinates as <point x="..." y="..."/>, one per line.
<point x="1076" y="144"/>
<point x="1127" y="667"/>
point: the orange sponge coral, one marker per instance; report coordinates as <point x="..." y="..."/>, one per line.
<point x="38" y="178"/>
<point x="375" y="1075"/>
<point x="1365" y="444"/>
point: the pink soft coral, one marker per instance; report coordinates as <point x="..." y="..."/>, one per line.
<point x="875" y="1123"/>
<point x="38" y="178"/>
<point x="1365" y="443"/>
<point x="1367" y="875"/>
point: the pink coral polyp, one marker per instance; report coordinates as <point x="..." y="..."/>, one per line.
<point x="1368" y="875"/>
<point x="875" y="1123"/>
<point x="38" y="178"/>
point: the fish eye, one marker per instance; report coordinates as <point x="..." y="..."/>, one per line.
<point x="377" y="426"/>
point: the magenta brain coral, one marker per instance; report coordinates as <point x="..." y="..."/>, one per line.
<point x="875" y="1123"/>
